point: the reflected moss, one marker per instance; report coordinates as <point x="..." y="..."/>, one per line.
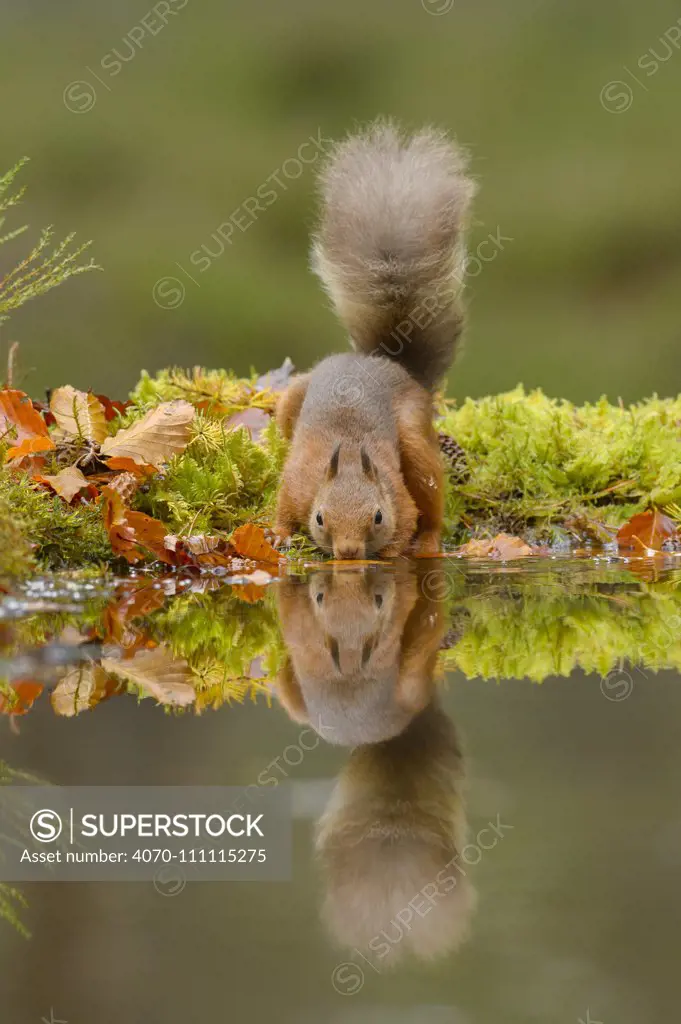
<point x="521" y="634"/>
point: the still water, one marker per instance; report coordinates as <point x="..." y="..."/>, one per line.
<point x="484" y="767"/>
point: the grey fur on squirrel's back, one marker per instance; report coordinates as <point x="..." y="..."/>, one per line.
<point x="390" y="246"/>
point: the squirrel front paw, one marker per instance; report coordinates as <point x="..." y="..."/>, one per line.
<point x="281" y="540"/>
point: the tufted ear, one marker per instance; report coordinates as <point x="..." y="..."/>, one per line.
<point x="332" y="471"/>
<point x="368" y="467"/>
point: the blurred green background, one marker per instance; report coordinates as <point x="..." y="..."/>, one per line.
<point x="149" y="155"/>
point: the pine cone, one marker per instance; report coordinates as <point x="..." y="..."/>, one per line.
<point x="455" y="456"/>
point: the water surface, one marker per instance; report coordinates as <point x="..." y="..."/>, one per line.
<point x="484" y="765"/>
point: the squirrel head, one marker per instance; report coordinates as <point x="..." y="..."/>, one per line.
<point x="353" y="514"/>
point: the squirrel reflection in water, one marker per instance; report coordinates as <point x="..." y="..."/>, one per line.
<point x="362" y="656"/>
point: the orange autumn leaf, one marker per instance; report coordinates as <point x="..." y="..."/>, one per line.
<point x="249" y="541"/>
<point x="503" y="547"/>
<point x="200" y="550"/>
<point x="136" y="602"/>
<point x="67" y="484"/>
<point x="153" y="440"/>
<point x="646" y="532"/>
<point x="133" y="535"/>
<point x="30" y="446"/>
<point x="79" y="413"/>
<point x="150" y="534"/>
<point x="129" y="466"/>
<point x="26" y="693"/>
<point x="111" y="407"/>
<point x="18" y="419"/>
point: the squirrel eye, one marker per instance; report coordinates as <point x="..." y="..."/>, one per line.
<point x="320" y="519"/>
<point x="378" y="518"/>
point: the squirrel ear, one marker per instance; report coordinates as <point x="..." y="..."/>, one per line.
<point x="333" y="464"/>
<point x="367" y="465"/>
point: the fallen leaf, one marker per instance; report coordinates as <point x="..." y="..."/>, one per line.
<point x="276" y="380"/>
<point x="18" y="419"/>
<point x="27" y="692"/>
<point x="201" y="550"/>
<point x="136" y="603"/>
<point x="82" y="688"/>
<point x="153" y="440"/>
<point x="79" y="413"/>
<point x="648" y="530"/>
<point x="506" y="548"/>
<point x="250" y="541"/>
<point x="130" y="466"/>
<point x="503" y="547"/>
<point x="30" y="446"/>
<point x="159" y="673"/>
<point x="66" y="484"/>
<point x="254" y="420"/>
<point x="44" y="410"/>
<point x="255" y="589"/>
<point x="475" y="549"/>
<point x="121" y="536"/>
<point x="112" y="408"/>
<point x="150" y="534"/>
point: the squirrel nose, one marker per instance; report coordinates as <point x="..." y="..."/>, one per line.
<point x="346" y="550"/>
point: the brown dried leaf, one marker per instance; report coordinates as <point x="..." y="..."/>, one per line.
<point x="153" y="440"/>
<point x="112" y="408"/>
<point x="646" y="532"/>
<point x="133" y="535"/>
<point x="250" y="541"/>
<point x="18" y="419"/>
<point x="67" y="483"/>
<point x="31" y="446"/>
<point x="27" y="692"/>
<point x="129" y="466"/>
<point x="507" y="548"/>
<point x="138" y="600"/>
<point x="200" y="550"/>
<point x="254" y="420"/>
<point x="79" y="413"/>
<point x="159" y="673"/>
<point x="82" y="688"/>
<point x="475" y="549"/>
<point x="276" y="380"/>
<point x="503" y="547"/>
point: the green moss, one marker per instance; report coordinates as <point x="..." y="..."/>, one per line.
<point x="221" y="480"/>
<point x="61" y="535"/>
<point x="16" y="555"/>
<point x="535" y="462"/>
<point x="540" y="467"/>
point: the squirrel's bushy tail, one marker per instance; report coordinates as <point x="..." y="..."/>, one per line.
<point x="390" y="246"/>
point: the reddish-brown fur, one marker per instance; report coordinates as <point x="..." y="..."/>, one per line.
<point x="364" y="475"/>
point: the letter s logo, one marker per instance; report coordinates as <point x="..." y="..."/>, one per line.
<point x="46" y="826"/>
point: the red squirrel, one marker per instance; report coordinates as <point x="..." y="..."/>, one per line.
<point x="362" y="652"/>
<point x="364" y="473"/>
